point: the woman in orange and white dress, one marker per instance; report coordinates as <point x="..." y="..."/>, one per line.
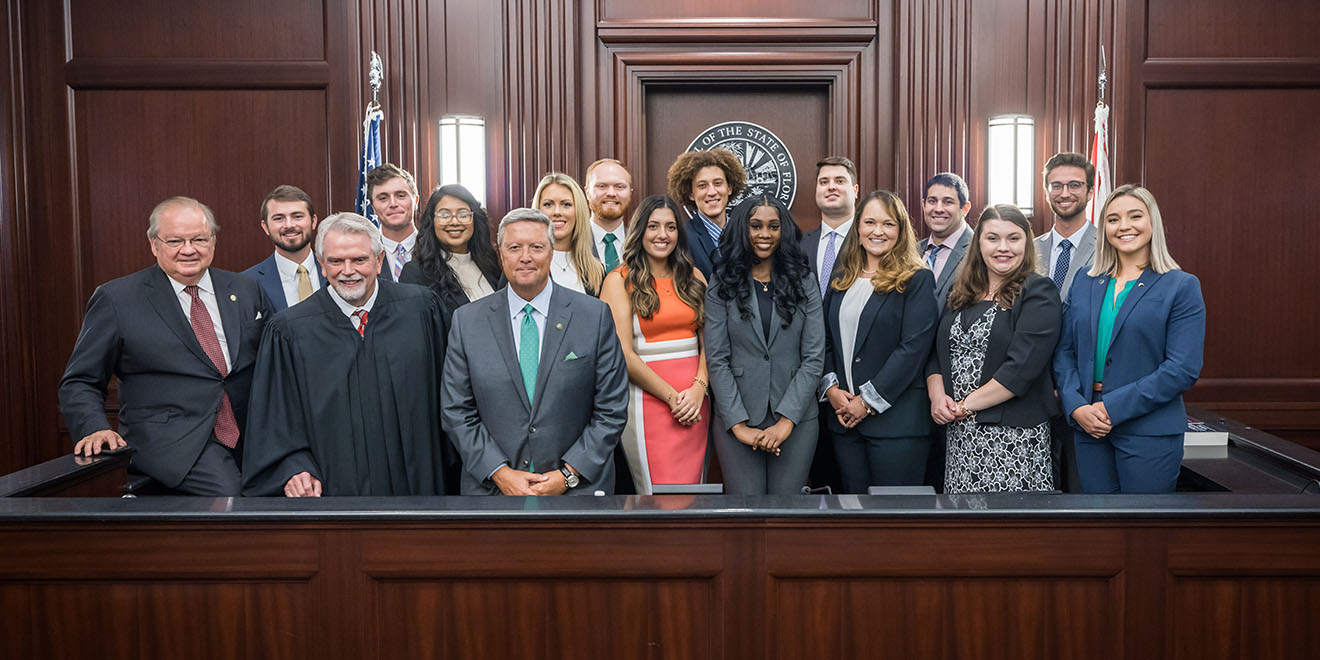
<point x="656" y="298"/>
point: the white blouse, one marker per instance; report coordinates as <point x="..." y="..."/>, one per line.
<point x="563" y="273"/>
<point x="470" y="276"/>
<point x="850" y="312"/>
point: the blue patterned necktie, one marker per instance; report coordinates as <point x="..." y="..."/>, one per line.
<point x="529" y="350"/>
<point x="827" y="264"/>
<point x="1061" y="266"/>
<point x="933" y="251"/>
<point x="402" y="254"/>
<point x="611" y="253"/>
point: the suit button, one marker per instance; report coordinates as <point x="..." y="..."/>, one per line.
<point x="765" y="356"/>
<point x="532" y="430"/>
<point x="524" y="463"/>
<point x="857" y="359"/>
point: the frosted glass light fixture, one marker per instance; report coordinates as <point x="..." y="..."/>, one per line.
<point x="1011" y="168"/>
<point x="463" y="153"/>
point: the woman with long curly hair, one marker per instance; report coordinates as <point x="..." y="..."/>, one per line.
<point x="765" y="347"/>
<point x="989" y="376"/>
<point x="573" y="264"/>
<point x="454" y="255"/>
<point x="658" y="299"/>
<point x="880" y="318"/>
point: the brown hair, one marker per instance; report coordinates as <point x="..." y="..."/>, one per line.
<point x="897" y="266"/>
<point x="838" y="161"/>
<point x="386" y="172"/>
<point x="687" y="165"/>
<point x="287" y="194"/>
<point x="973" y="279"/>
<point x="642" y="296"/>
<point x="1069" y="159"/>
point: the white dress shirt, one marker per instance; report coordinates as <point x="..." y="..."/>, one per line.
<point x="206" y="291"/>
<point x="540" y="311"/>
<point x="841" y="232"/>
<point x="598" y="235"/>
<point x="564" y="273"/>
<point x="392" y="248"/>
<point x="1056" y="240"/>
<point x="289" y="276"/>
<point x="350" y="310"/>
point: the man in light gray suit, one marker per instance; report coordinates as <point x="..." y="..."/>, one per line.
<point x="1070" y="245"/>
<point x="535" y="385"/>
<point x="1062" y="251"/>
<point x="944" y="205"/>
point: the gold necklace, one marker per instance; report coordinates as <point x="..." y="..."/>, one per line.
<point x="765" y="286"/>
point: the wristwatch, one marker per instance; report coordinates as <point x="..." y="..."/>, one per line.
<point x="571" y="480"/>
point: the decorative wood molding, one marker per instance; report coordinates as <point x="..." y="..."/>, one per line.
<point x="83" y="73"/>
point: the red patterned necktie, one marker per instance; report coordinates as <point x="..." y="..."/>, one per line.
<point x="361" y="316"/>
<point x="226" y="427"/>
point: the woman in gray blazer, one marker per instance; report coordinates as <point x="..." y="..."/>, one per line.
<point x="765" y="348"/>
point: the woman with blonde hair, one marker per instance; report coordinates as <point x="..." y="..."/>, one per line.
<point x="658" y="300"/>
<point x="1132" y="343"/>
<point x="573" y="264"/>
<point x="989" y="375"/>
<point x="880" y="317"/>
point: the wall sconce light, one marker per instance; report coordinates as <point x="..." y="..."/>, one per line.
<point x="1011" y="172"/>
<point x="463" y="153"/>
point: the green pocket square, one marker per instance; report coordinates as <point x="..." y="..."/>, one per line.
<point x="571" y="356"/>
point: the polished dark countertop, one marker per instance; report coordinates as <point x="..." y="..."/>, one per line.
<point x="711" y="508"/>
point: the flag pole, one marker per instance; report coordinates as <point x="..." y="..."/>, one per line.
<point x="1104" y="79"/>
<point x="371" y="156"/>
<point x="376" y="75"/>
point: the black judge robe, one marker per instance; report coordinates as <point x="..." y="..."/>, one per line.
<point x="361" y="414"/>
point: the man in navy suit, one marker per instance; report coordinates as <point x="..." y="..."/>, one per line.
<point x="292" y="273"/>
<point x="182" y="338"/>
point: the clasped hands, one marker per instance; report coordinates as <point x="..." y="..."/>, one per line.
<point x="685" y="405"/>
<point x="849" y="408"/>
<point x="767" y="440"/>
<point x="943" y="409"/>
<point x="517" y="482"/>
<point x="1094" y="419"/>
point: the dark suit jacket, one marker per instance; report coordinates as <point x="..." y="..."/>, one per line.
<point x="1155" y="351"/>
<point x="169" y="390"/>
<point x="412" y="274"/>
<point x="944" y="284"/>
<point x="267" y="274"/>
<point x="1018" y="355"/>
<point x="894" y="336"/>
<point x="705" y="251"/>
<point x="811" y="245"/>
<point x="580" y="402"/>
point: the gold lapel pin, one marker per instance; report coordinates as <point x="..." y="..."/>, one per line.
<point x="1141" y="284"/>
<point x="559" y="326"/>
<point x="233" y="298"/>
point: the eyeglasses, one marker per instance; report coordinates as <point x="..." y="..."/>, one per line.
<point x="463" y="216"/>
<point x="176" y="244"/>
<point x="1073" y="186"/>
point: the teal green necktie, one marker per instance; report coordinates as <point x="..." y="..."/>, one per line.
<point x="529" y="350"/>
<point x="611" y="254"/>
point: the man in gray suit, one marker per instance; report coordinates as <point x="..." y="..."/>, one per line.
<point x="1070" y="245"/>
<point x="1062" y="251"/>
<point x="182" y="339"/>
<point x="944" y="204"/>
<point x="535" y="385"/>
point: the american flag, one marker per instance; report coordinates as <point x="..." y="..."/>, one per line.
<point x="370" y="159"/>
<point x="1104" y="181"/>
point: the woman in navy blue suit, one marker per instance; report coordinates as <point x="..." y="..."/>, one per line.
<point x="880" y="320"/>
<point x="1132" y="343"/>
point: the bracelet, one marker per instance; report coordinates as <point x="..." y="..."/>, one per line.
<point x="702" y="383"/>
<point x="962" y="407"/>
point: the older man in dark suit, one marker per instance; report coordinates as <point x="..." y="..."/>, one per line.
<point x="535" y="384"/>
<point x="181" y="337"/>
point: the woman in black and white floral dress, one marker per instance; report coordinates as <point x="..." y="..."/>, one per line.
<point x="989" y="378"/>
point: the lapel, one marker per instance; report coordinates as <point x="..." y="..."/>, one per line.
<point x="231" y="307"/>
<point x="556" y="326"/>
<point x="1144" y="283"/>
<point x="1044" y="247"/>
<point x="810" y="242"/>
<point x="320" y="275"/>
<point x="756" y="316"/>
<point x="953" y="260"/>
<point x="869" y="311"/>
<point x="167" y="306"/>
<point x="1097" y="300"/>
<point x="1084" y="253"/>
<point x="501" y="328"/>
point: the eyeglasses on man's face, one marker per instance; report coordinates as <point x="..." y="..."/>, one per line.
<point x="1072" y="186"/>
<point x="199" y="242"/>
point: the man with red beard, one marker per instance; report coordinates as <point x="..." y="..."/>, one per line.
<point x="292" y="273"/>
<point x="346" y="390"/>
<point x="609" y="191"/>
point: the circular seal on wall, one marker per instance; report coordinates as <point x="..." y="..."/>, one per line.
<point x="769" y="165"/>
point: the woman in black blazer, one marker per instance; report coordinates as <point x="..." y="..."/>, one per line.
<point x="454" y="254"/>
<point x="989" y="377"/>
<point x="880" y="318"/>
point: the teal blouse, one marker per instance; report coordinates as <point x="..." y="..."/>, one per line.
<point x="1105" y="332"/>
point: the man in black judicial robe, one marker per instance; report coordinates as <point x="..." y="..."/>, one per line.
<point x="346" y="394"/>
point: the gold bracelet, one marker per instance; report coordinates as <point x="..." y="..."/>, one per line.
<point x="965" y="411"/>
<point x="702" y="383"/>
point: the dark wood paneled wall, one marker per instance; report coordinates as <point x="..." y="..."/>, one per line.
<point x="114" y="104"/>
<point x="734" y="589"/>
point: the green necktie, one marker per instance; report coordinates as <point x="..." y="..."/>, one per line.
<point x="611" y="254"/>
<point x="529" y="351"/>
